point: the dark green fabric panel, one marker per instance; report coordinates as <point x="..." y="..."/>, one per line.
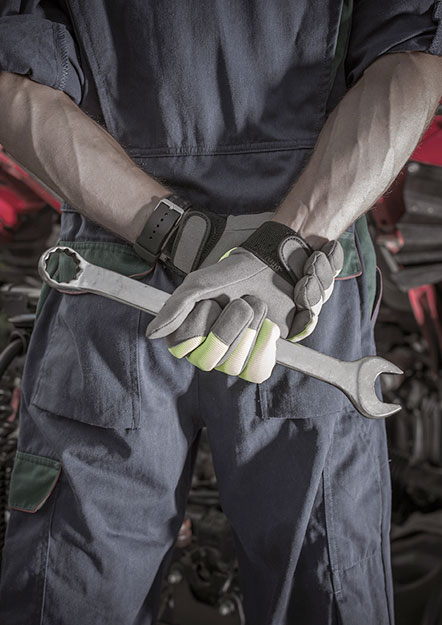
<point x="369" y="257"/>
<point x="352" y="264"/>
<point x="32" y="481"/>
<point x="113" y="256"/>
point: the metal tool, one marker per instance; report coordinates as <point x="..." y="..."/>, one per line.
<point x="356" y="379"/>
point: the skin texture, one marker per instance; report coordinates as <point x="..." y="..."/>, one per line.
<point x="364" y="144"/>
<point x="45" y="131"/>
<point x="362" y="147"/>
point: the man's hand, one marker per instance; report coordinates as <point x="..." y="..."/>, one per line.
<point x="229" y="316"/>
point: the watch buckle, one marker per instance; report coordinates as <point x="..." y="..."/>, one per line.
<point x="171" y="205"/>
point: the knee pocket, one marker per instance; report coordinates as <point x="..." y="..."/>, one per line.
<point x="32" y="481"/>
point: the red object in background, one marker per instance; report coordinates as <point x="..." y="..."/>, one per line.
<point x="429" y="150"/>
<point x="20" y="194"/>
<point x="389" y="208"/>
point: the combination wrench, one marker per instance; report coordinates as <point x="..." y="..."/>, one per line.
<point x="356" y="379"/>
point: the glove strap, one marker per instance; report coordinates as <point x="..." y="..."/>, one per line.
<point x="197" y="233"/>
<point x="277" y="245"/>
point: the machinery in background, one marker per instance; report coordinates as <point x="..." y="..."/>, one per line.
<point x="407" y="230"/>
<point x="28" y="223"/>
<point x="202" y="585"/>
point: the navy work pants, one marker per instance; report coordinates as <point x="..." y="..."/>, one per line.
<point x="303" y="478"/>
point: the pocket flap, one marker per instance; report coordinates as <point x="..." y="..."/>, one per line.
<point x="33" y="480"/>
<point x="352" y="263"/>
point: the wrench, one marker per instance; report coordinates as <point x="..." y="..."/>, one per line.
<point x="356" y="379"/>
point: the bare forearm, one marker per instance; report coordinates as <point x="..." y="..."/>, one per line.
<point x="364" y="144"/>
<point x="48" y="134"/>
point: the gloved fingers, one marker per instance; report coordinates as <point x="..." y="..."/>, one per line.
<point x="222" y="282"/>
<point x="236" y="357"/>
<point x="171" y="316"/>
<point x="309" y="299"/>
<point x="318" y="265"/>
<point x="315" y="288"/>
<point x="335" y="254"/>
<point x="260" y="364"/>
<point x="226" y="331"/>
<point x="303" y="325"/>
<point x="309" y="294"/>
<point x="194" y="329"/>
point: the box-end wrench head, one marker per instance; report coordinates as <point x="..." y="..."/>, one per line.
<point x="356" y="379"/>
<point x="89" y="278"/>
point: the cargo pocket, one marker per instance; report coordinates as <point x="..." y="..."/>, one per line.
<point x="33" y="480"/>
<point x="290" y="394"/>
<point x="89" y="364"/>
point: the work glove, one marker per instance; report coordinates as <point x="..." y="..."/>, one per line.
<point x="202" y="237"/>
<point x="228" y="316"/>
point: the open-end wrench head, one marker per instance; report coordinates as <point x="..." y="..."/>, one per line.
<point x="368" y="402"/>
<point x="80" y="265"/>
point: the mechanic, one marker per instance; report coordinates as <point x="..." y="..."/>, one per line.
<point x="176" y="133"/>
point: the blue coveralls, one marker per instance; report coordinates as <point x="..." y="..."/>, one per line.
<point x="224" y="102"/>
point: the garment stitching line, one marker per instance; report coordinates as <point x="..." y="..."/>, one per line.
<point x="64" y="57"/>
<point x="248" y="144"/>
<point x="56" y="60"/>
<point x="233" y="152"/>
<point x="364" y="435"/>
<point x="25" y="456"/>
<point x="136" y="397"/>
<point x="43" y="599"/>
<point x="364" y="559"/>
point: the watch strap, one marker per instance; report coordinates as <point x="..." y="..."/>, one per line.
<point x="158" y="227"/>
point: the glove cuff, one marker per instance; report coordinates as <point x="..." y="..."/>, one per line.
<point x="196" y="235"/>
<point x="273" y="243"/>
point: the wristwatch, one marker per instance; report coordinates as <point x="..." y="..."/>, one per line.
<point x="164" y="219"/>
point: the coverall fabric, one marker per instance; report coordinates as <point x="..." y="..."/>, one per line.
<point x="223" y="102"/>
<point x="303" y="478"/>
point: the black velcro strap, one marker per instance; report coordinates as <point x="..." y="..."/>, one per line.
<point x="217" y="227"/>
<point x="265" y="243"/>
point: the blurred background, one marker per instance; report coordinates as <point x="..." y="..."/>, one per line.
<point x="202" y="584"/>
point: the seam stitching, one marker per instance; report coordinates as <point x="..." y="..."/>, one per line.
<point x="203" y="150"/>
<point x="61" y="40"/>
<point x="47" y="462"/>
